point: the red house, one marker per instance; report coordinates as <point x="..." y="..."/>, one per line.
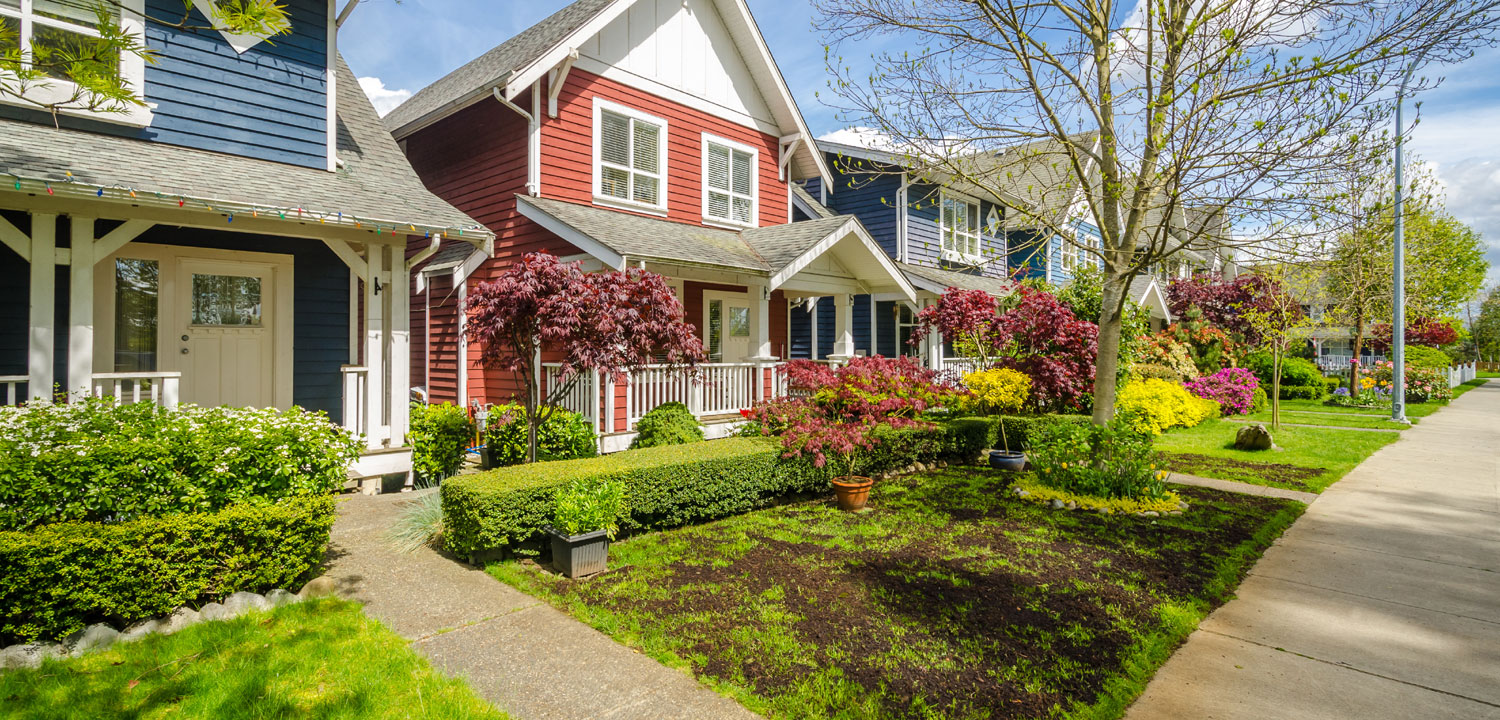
<point x="654" y="133"/>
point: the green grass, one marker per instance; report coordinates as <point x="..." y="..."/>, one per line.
<point x="1412" y="411"/>
<point x="950" y="598"/>
<point x="1487" y="375"/>
<point x="319" y="659"/>
<point x="1323" y="455"/>
<point x="1318" y="417"/>
<point x="1470" y="385"/>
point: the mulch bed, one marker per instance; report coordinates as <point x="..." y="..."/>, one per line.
<point x="949" y="599"/>
<point x="1230" y="469"/>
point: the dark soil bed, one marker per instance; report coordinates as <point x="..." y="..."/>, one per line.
<point x="1294" y="477"/>
<point x="946" y="600"/>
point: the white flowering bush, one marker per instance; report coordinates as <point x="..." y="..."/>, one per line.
<point x="94" y="461"/>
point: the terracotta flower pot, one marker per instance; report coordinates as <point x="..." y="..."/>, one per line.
<point x="852" y="491"/>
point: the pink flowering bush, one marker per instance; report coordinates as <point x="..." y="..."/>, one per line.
<point x="1422" y="384"/>
<point x="1233" y="388"/>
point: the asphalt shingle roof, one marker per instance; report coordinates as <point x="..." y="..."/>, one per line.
<point x="637" y="236"/>
<point x="483" y="72"/>
<point x="1040" y="174"/>
<point x="951" y="278"/>
<point x="819" y="209"/>
<point x="375" y="184"/>
<point x="779" y="245"/>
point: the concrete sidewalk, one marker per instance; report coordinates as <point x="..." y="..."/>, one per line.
<point x="1382" y="601"/>
<point x="517" y="652"/>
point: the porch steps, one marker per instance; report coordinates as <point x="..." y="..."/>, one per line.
<point x="371" y="472"/>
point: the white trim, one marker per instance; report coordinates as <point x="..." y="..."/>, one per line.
<point x="944" y="196"/>
<point x="567" y="232"/>
<point x="903" y="216"/>
<point x="851" y="227"/>
<point x="43" y="304"/>
<point x="729" y="296"/>
<point x="350" y="257"/>
<point x="557" y="78"/>
<point x="331" y="95"/>
<point x="469" y="266"/>
<point x="244" y="41"/>
<point x="754" y="196"/>
<point x="663" y="140"/>
<point x="682" y="97"/>
<point x="17" y="241"/>
<point x="132" y="69"/>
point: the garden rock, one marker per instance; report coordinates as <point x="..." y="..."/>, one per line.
<point x="94" y="637"/>
<point x="27" y="656"/>
<point x="280" y="598"/>
<point x="317" y="587"/>
<point x="141" y="629"/>
<point x="1071" y="506"/>
<point x="179" y="619"/>
<point x="1152" y="513"/>
<point x="215" y="611"/>
<point x="1253" y="437"/>
<point x="243" y="602"/>
<point x="1057" y="504"/>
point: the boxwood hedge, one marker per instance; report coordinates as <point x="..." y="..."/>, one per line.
<point x="61" y="577"/>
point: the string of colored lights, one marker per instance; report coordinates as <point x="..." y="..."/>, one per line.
<point x="230" y="209"/>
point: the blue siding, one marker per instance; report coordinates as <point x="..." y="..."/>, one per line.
<point x="1027" y="255"/>
<point x="869" y="196"/>
<point x="885" y="328"/>
<point x="15" y="302"/>
<point x="320" y="306"/>
<point x="268" y="103"/>
<point x="825" y="327"/>
<point x="799" y="330"/>
<point x="862" y="336"/>
<point x="1054" y="255"/>
<point x="814" y="187"/>
<point x="924" y="242"/>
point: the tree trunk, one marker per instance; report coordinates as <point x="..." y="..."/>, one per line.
<point x="1358" y="345"/>
<point x="1275" y="388"/>
<point x="1107" y="363"/>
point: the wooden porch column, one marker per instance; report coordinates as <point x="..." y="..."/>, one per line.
<point x="400" y="331"/>
<point x="760" y="322"/>
<point x="843" y="327"/>
<point x="43" y="306"/>
<point x="933" y="345"/>
<point x="81" y="306"/>
<point x="375" y="394"/>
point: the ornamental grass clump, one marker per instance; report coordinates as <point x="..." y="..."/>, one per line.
<point x="1232" y="388"/>
<point x="1105" y="461"/>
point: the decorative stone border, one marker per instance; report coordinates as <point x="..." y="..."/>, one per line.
<point x="101" y="635"/>
<point x="916" y="467"/>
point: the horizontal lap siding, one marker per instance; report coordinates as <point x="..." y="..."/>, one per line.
<point x="268" y="103"/>
<point x="862" y="336"/>
<point x="568" y="141"/>
<point x="870" y="196"/>
<point x="15" y="302"/>
<point x="442" y="339"/>
<point x="778" y="324"/>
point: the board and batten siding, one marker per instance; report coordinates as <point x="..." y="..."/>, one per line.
<point x="268" y="103"/>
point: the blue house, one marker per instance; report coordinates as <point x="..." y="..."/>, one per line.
<point x="941" y="236"/>
<point x="232" y="240"/>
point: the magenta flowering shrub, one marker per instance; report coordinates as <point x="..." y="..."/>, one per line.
<point x="1233" y="388"/>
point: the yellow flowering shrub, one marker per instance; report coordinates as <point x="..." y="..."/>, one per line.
<point x="998" y="390"/>
<point x="1151" y="406"/>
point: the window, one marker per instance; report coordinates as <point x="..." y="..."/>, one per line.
<point x="55" y="33"/>
<point x="960" y="220"/>
<point x="226" y="300"/>
<point x="728" y="181"/>
<point x="136" y="290"/>
<point x="630" y="157"/>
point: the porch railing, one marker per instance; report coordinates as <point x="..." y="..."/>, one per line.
<point x="356" y="418"/>
<point x="158" y="388"/>
<point x="582" y="398"/>
<point x="14" y="387"/>
<point x="961" y="366"/>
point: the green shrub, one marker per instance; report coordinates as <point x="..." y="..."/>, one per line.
<point x="564" y="436"/>
<point x="1426" y="357"/>
<point x="668" y="486"/>
<point x="1112" y="461"/>
<point x="1261" y="401"/>
<point x="1307" y="392"/>
<point x="1297" y="371"/>
<point x="1151" y="406"/>
<point x="1333" y="383"/>
<point x="95" y="461"/>
<point x="59" y="578"/>
<point x="668" y="424"/>
<point x="584" y="507"/>
<point x="1150" y="371"/>
<point x="439" y="435"/>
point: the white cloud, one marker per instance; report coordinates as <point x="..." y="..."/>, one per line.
<point x="1457" y="145"/>
<point x="385" y="99"/>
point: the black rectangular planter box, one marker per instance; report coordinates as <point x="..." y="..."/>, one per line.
<point x="579" y="555"/>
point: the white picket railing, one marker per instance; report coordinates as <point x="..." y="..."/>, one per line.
<point x="961" y="366"/>
<point x="582" y="398"/>
<point x="12" y="385"/>
<point x="159" y="388"/>
<point x="1460" y="374"/>
<point x="710" y="389"/>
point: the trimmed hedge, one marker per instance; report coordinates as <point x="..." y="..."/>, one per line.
<point x="59" y="578"/>
<point x="666" y="486"/>
<point x="1303" y="392"/>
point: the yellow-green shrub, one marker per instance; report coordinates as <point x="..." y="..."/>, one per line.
<point x="998" y="390"/>
<point x="1151" y="406"/>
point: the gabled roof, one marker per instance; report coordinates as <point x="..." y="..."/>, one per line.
<point x="522" y="60"/>
<point x="1147" y="293"/>
<point x="937" y="281"/>
<point x="374" y="185"/>
<point x="777" y="251"/>
<point x="804" y="201"/>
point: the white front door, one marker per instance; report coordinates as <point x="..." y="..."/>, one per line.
<point x="225" y="314"/>
<point x="726" y="327"/>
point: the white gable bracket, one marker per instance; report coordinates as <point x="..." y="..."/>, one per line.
<point x="788" y="149"/>
<point x="533" y="138"/>
<point x="557" y="78"/>
<point x="14" y="239"/>
<point x="850" y="228"/>
<point x="525" y="76"/>
<point x="350" y="258"/>
<point x="426" y="252"/>
<point x="118" y="237"/>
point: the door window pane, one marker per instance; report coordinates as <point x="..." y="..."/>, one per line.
<point x="739" y="322"/>
<point x="715" y="331"/>
<point x="231" y="300"/>
<point x="136" y="290"/>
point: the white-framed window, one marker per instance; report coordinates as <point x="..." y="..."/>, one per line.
<point x="72" y="26"/>
<point x="630" y="157"/>
<point x="960" y="228"/>
<point x="729" y="182"/>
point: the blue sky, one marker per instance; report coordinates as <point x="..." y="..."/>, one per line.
<point x="398" y="48"/>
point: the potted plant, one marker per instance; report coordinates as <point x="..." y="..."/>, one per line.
<point x="1006" y="459"/>
<point x="584" y="519"/>
<point x="835" y="445"/>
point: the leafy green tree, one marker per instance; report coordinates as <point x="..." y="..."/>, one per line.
<point x="76" y="71"/>
<point x="1486" y="328"/>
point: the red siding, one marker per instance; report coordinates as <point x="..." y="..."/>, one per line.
<point x="476" y="160"/>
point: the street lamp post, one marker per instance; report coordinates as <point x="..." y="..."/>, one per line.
<point x="1398" y="303"/>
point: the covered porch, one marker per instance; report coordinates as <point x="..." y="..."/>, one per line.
<point x="738" y="289"/>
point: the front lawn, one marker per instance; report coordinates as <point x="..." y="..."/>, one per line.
<point x="318" y="659"/>
<point x="950" y="598"/>
<point x="1318" y="417"/>
<point x="1310" y="459"/>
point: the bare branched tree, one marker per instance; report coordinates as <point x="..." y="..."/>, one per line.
<point x="1143" y="116"/>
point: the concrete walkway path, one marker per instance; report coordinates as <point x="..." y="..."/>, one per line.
<point x="519" y="653"/>
<point x="1242" y="488"/>
<point x="1382" y="601"/>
